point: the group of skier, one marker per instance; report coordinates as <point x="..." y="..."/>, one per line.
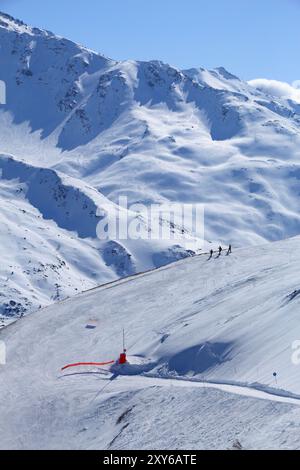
<point x="220" y="251"/>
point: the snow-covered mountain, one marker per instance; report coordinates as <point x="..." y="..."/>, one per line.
<point x="49" y="244"/>
<point x="79" y="130"/>
<point x="202" y="357"/>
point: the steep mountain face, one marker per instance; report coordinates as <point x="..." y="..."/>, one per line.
<point x="88" y="129"/>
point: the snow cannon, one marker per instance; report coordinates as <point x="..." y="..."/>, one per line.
<point x="122" y="358"/>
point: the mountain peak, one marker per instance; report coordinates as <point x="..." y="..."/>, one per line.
<point x="13" y="24"/>
<point x="225" y="74"/>
<point x="10" y="18"/>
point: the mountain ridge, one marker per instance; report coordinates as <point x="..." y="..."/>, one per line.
<point x="147" y="131"/>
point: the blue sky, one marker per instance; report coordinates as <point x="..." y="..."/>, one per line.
<point x="251" y="38"/>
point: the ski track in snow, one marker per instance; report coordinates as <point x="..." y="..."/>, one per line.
<point x="144" y="381"/>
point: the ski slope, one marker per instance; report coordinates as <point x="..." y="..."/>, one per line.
<point x="204" y="338"/>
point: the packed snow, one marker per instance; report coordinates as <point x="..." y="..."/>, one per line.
<point x="204" y="339"/>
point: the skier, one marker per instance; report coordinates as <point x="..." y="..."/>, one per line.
<point x="220" y="250"/>
<point x="211" y="254"/>
<point x="229" y="250"/>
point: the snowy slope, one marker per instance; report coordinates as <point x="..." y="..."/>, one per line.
<point x="204" y="338"/>
<point x="49" y="244"/>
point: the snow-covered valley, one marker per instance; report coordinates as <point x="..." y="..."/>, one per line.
<point x="204" y="339"/>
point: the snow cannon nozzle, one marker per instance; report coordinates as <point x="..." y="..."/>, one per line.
<point x="123" y="358"/>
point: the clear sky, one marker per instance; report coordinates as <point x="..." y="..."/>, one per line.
<point x="251" y="38"/>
